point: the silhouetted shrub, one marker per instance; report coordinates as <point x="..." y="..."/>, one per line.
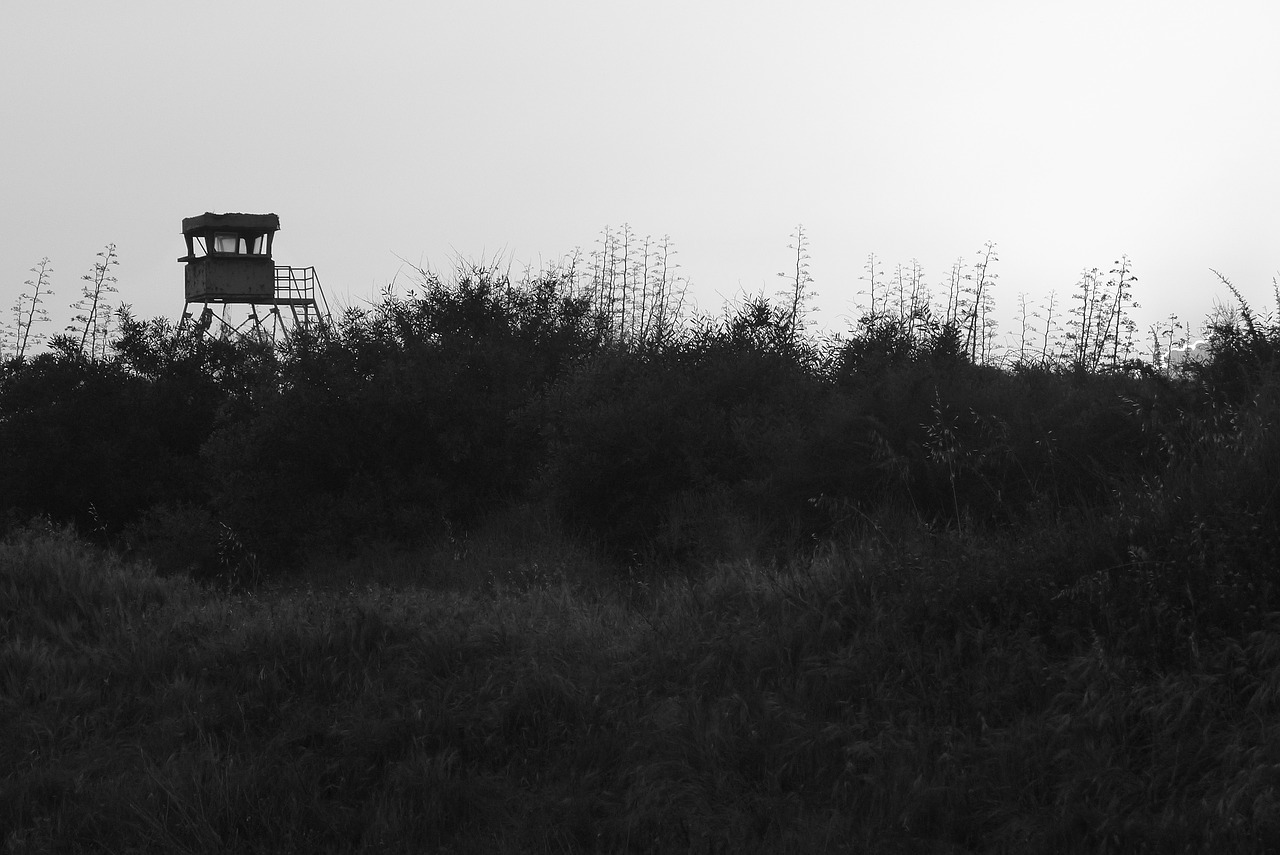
<point x="1244" y="352"/>
<point x="635" y="436"/>
<point x="884" y="341"/>
<point x="89" y="443"/>
<point x="1205" y="534"/>
<point x="402" y="425"/>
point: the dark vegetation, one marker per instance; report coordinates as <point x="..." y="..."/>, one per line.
<point x="526" y="566"/>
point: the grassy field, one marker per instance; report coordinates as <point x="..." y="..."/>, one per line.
<point x="484" y="569"/>
<point x="904" y="691"/>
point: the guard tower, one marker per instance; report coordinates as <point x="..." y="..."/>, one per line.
<point x="228" y="263"/>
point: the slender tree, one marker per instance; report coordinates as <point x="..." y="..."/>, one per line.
<point x="921" y="298"/>
<point x="799" y="291"/>
<point x="955" y="286"/>
<point x="978" y="311"/>
<point x="1051" y="332"/>
<point x="624" y="262"/>
<point x="1084" y="326"/>
<point x="899" y="292"/>
<point x="94" y="316"/>
<point x="872" y="275"/>
<point x="633" y="288"/>
<point x="1024" y="324"/>
<point x="1119" y="324"/>
<point x="664" y="294"/>
<point x="28" y="310"/>
<point x="1165" y="337"/>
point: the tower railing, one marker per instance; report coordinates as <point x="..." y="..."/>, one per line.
<point x="298" y="288"/>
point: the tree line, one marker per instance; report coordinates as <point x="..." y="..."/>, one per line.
<point x="588" y="392"/>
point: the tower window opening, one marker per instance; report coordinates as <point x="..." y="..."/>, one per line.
<point x="229" y="243"/>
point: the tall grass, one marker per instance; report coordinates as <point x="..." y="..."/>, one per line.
<point x="924" y="693"/>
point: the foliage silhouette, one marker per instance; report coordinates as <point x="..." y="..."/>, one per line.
<point x="726" y="587"/>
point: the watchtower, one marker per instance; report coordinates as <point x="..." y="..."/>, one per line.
<point x="228" y="262"/>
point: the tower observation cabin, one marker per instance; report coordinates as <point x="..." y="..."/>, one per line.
<point x="228" y="264"/>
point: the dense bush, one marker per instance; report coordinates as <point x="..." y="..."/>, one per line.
<point x="421" y="416"/>
<point x="635" y="434"/>
<point x="918" y="603"/>
<point x="403" y="424"/>
<point x="95" y="444"/>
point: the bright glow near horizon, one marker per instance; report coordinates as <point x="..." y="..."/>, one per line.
<point x="1067" y="134"/>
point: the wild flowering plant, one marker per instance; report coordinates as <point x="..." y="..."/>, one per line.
<point x="93" y="318"/>
<point x="28" y="312"/>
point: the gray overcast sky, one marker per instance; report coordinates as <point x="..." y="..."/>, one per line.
<point x="1068" y="133"/>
